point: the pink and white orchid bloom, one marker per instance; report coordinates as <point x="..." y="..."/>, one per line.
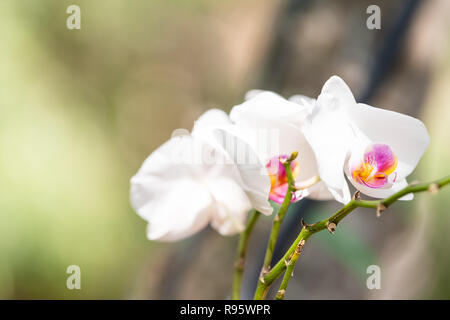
<point x="272" y="126"/>
<point x="375" y="148"/>
<point x="193" y="180"/>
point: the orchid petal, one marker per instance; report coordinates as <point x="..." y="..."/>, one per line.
<point x="304" y="101"/>
<point x="252" y="93"/>
<point x="163" y="190"/>
<point x="270" y="106"/>
<point x="210" y="119"/>
<point x="339" y="90"/>
<point x="176" y="214"/>
<point x="239" y="160"/>
<point x="330" y="135"/>
<point x="249" y="172"/>
<point x="407" y="136"/>
<point x="271" y="119"/>
<point x="231" y="206"/>
<point x="319" y="191"/>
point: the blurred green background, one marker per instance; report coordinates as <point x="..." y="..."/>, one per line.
<point x="81" y="109"/>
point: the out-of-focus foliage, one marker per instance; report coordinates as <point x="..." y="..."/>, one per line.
<point x="437" y="161"/>
<point x="79" y="111"/>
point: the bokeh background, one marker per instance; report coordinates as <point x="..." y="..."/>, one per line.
<point x="81" y="109"/>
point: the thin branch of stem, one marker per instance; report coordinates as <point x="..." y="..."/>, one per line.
<point x="279" y="217"/>
<point x="332" y="222"/>
<point x="241" y="254"/>
<point x="290" y="265"/>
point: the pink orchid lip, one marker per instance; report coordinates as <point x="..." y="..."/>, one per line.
<point x="377" y="168"/>
<point x="278" y="178"/>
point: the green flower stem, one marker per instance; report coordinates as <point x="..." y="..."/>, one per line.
<point x="241" y="253"/>
<point x="280" y="215"/>
<point x="290" y="265"/>
<point x="331" y="223"/>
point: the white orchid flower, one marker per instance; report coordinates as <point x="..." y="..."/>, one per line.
<point x="375" y="148"/>
<point x="272" y="126"/>
<point x="193" y="180"/>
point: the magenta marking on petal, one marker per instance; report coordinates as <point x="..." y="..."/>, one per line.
<point x="278" y="178"/>
<point x="377" y="168"/>
<point x="277" y="194"/>
<point x="275" y="167"/>
<point x="378" y="181"/>
<point x="296" y="198"/>
<point x="380" y="156"/>
<point x="276" y="198"/>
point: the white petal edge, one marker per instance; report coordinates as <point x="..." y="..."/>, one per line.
<point x="269" y="106"/>
<point x="211" y="118"/>
<point x="383" y="193"/>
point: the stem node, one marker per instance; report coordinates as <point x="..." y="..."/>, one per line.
<point x="293" y="156"/>
<point x="331" y="226"/>
<point x="305" y="225"/>
<point x="261" y="279"/>
<point x="357" y="195"/>
<point x="433" y="188"/>
<point x="380" y="208"/>
<point x="239" y="263"/>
